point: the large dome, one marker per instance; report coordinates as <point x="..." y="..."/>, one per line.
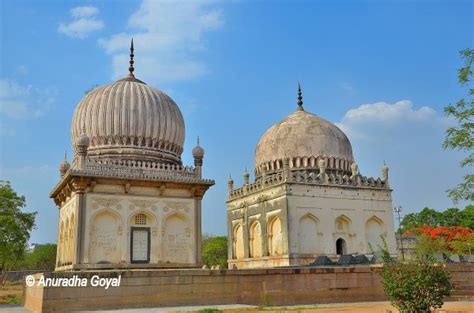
<point x="129" y="119"/>
<point x="303" y="138"/>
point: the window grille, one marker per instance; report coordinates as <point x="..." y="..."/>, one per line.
<point x="140" y="219"/>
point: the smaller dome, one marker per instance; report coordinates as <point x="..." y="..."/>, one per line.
<point x="83" y="141"/>
<point x="64" y="166"/>
<point x="198" y="151"/>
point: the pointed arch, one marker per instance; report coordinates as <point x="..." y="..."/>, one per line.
<point x="308" y="240"/>
<point x="105" y="226"/>
<point x="176" y="238"/>
<point x="374" y="230"/>
<point x="275" y="238"/>
<point x="342" y="224"/>
<point x="238" y="241"/>
<point x="255" y="240"/>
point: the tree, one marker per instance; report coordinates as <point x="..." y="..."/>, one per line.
<point x="468" y="217"/>
<point x="452" y="217"/>
<point x="415" y="286"/>
<point x="461" y="137"/>
<point x="15" y="228"/>
<point x="430" y="217"/>
<point x="42" y="258"/>
<point x="427" y="216"/>
<point x="443" y="239"/>
<point x="215" y="251"/>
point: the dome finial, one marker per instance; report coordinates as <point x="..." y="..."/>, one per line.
<point x="198" y="140"/>
<point x="131" y="68"/>
<point x="65" y="155"/>
<point x="300" y="98"/>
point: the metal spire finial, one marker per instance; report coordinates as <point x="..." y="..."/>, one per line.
<point x="65" y="155"/>
<point x="198" y="140"/>
<point x="300" y="98"/>
<point x="131" y="68"/>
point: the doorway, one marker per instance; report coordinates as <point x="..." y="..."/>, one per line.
<point x="140" y="245"/>
<point x="341" y="246"/>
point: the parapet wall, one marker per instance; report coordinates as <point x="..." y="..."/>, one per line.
<point x="284" y="286"/>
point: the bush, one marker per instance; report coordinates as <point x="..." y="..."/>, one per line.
<point x="415" y="286"/>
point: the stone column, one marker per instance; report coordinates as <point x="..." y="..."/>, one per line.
<point x="284" y="226"/>
<point x="230" y="237"/>
<point x="263" y="220"/>
<point x="245" y="230"/>
<point x="80" y="229"/>
<point x="197" y="229"/>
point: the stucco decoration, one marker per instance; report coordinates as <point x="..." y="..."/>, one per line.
<point x="176" y="239"/>
<point x="104" y="247"/>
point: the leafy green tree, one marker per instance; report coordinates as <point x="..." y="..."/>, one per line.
<point x="414" y="286"/>
<point x="15" y="228"/>
<point x="452" y="217"/>
<point x="468" y="216"/>
<point x="430" y="217"/>
<point x="215" y="251"/>
<point x="42" y="258"/>
<point x="461" y="137"/>
<point x="427" y="216"/>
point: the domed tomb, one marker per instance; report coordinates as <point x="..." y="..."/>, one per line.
<point x="303" y="138"/>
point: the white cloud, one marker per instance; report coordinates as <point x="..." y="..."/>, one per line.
<point x="410" y="140"/>
<point x="167" y="36"/>
<point x="384" y="117"/>
<point x="84" y="22"/>
<point x="24" y="102"/>
<point x="86" y="11"/>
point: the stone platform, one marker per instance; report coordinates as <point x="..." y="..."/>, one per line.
<point x="280" y="286"/>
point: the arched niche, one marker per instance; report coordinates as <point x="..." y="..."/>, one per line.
<point x="374" y="230"/>
<point x="342" y="224"/>
<point x="104" y="244"/>
<point x="308" y="241"/>
<point x="176" y="239"/>
<point x="238" y="242"/>
<point x="275" y="238"/>
<point x="255" y="240"/>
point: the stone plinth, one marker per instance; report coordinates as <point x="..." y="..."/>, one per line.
<point x="284" y="286"/>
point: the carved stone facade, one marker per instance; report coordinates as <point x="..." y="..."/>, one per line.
<point x="307" y="201"/>
<point x="126" y="201"/>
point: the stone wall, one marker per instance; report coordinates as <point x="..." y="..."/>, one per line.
<point x="284" y="286"/>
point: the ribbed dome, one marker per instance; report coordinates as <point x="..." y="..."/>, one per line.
<point x="303" y="138"/>
<point x="129" y="119"/>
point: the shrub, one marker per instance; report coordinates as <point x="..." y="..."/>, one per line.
<point x="415" y="286"/>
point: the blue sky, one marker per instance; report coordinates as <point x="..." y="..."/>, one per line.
<point x="381" y="70"/>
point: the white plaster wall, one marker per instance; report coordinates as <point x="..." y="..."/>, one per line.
<point x="157" y="208"/>
<point x="326" y="204"/>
